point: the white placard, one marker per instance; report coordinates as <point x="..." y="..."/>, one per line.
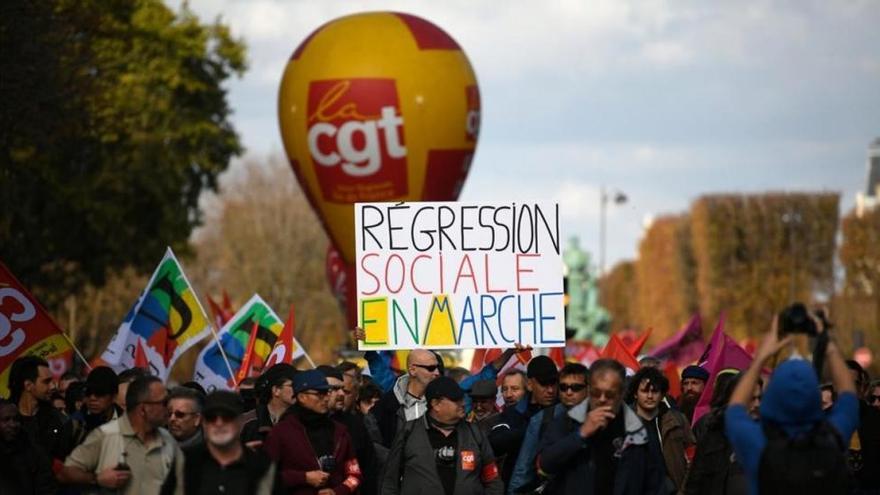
<point x="459" y="275"/>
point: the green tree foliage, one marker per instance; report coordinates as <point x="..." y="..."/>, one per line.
<point x="115" y="120"/>
<point x="665" y="274"/>
<point x="755" y="254"/>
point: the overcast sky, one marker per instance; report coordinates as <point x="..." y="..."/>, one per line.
<point x="662" y="100"/>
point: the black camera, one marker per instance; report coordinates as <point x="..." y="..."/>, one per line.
<point x="327" y="463"/>
<point x="797" y="319"/>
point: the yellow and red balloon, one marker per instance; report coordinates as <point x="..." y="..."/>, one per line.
<point x="378" y="106"/>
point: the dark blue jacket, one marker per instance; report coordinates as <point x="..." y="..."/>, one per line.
<point x="567" y="459"/>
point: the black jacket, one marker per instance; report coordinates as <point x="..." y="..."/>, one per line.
<point x="715" y="468"/>
<point x="568" y="459"/>
<point x="363" y="450"/>
<point x="262" y="478"/>
<point x="258" y="426"/>
<point x="25" y="469"/>
<point x="411" y="468"/>
<point x="507" y="432"/>
<point x="51" y="430"/>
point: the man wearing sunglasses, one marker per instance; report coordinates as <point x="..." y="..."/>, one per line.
<point x="185" y="416"/>
<point x="573" y="388"/>
<point x="132" y="454"/>
<point x="314" y="453"/>
<point x="600" y="445"/>
<point x="99" y="406"/>
<point x="406" y="401"/>
<point x="222" y="464"/>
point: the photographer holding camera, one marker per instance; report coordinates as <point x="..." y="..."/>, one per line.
<point x="313" y="452"/>
<point x="796" y="447"/>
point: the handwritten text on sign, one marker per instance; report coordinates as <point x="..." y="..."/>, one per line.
<point x="459" y="275"/>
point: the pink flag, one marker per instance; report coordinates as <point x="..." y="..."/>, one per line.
<point x="722" y="353"/>
<point x="685" y="346"/>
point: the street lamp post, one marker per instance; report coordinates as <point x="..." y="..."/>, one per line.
<point x="619" y="199"/>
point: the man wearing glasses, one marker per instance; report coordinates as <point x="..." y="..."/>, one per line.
<point x="313" y="453"/>
<point x="185" y="416"/>
<point x="132" y="454"/>
<point x="601" y="445"/>
<point x="274" y="390"/>
<point x="99" y="406"/>
<point x="222" y="464"/>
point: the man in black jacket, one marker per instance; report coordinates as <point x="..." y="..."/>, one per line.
<point x="601" y="446"/>
<point x="274" y="389"/>
<point x="222" y="464"/>
<point x="440" y="453"/>
<point x="24" y="468"/>
<point x="30" y="385"/>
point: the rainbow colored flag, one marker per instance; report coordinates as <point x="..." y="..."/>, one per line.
<point x="212" y="370"/>
<point x="167" y="317"/>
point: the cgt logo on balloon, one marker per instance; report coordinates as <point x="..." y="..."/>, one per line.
<point x="459" y="275"/>
<point x="355" y="137"/>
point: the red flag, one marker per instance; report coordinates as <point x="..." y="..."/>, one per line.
<point x="26" y="329"/>
<point x="245" y="368"/>
<point x="636" y="347"/>
<point x="616" y="350"/>
<point x="482" y="357"/>
<point x="227" y="305"/>
<point x="672" y="374"/>
<point x="140" y="357"/>
<point x="557" y="354"/>
<point x="282" y="352"/>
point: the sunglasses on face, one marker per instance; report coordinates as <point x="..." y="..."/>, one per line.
<point x="211" y="417"/>
<point x="874" y="398"/>
<point x="608" y="394"/>
<point x="430" y="368"/>
<point x="181" y="414"/>
<point x="318" y="393"/>
<point x="335" y="388"/>
<point x="574" y="387"/>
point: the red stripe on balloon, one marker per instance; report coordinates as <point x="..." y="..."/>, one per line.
<point x="427" y="35"/>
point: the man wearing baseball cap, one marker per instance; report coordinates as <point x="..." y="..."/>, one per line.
<point x="99" y="406"/>
<point x="484" y="395"/>
<point x="439" y="452"/>
<point x="313" y="452"/>
<point x="222" y="464"/>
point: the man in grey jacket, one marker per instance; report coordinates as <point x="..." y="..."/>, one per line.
<point x="439" y="452"/>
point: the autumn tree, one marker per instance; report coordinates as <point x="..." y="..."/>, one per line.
<point x="665" y="272"/>
<point x="618" y="294"/>
<point x="857" y="308"/>
<point x="755" y="254"/>
<point x="261" y="236"/>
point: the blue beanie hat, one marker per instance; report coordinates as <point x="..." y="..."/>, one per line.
<point x="694" y="371"/>
<point x="793" y="396"/>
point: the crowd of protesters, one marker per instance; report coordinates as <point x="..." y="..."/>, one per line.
<point x="427" y="430"/>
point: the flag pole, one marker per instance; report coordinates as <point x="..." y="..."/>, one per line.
<point x="76" y="351"/>
<point x="223" y="353"/>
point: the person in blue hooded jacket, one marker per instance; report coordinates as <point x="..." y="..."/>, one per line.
<point x="791" y="403"/>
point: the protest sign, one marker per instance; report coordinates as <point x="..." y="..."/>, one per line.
<point x="26" y="329"/>
<point x="167" y="316"/>
<point x="212" y="371"/>
<point x="459" y="275"/>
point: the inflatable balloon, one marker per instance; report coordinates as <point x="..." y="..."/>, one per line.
<point x="342" y="280"/>
<point x="377" y="107"/>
